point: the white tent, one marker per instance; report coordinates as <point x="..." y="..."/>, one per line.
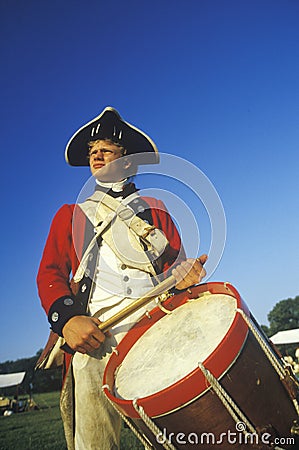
<point x="11" y="379"/>
<point x="286" y="337"/>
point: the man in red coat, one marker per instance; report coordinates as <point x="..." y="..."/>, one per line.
<point x="113" y="260"/>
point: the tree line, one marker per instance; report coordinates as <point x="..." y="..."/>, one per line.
<point x="35" y="381"/>
<point x="284" y="316"/>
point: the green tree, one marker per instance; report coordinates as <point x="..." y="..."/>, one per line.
<point x="284" y="316"/>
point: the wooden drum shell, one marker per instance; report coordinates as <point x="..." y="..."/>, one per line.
<point x="256" y="388"/>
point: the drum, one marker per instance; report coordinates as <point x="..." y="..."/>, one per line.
<point x="198" y="372"/>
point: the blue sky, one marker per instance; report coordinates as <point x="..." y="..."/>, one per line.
<point x="214" y="82"/>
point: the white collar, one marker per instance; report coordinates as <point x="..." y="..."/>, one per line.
<point x="116" y="187"/>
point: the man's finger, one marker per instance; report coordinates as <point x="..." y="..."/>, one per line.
<point x="202" y="259"/>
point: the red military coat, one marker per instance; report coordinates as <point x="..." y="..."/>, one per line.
<point x="61" y="257"/>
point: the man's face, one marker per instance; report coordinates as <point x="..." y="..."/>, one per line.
<point x="101" y="154"/>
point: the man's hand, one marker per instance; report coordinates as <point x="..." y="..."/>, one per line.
<point x="82" y="334"/>
<point x="190" y="272"/>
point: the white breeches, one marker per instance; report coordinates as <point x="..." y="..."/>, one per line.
<point x="97" y="424"/>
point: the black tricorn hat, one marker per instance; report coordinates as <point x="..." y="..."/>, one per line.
<point x="109" y="125"/>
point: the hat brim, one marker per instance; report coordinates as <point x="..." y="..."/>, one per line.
<point x="109" y="125"/>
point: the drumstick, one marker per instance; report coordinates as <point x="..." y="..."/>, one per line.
<point x="165" y="285"/>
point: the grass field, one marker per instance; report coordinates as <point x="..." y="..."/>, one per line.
<point x="42" y="429"/>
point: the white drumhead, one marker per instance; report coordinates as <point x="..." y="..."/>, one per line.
<point x="173" y="346"/>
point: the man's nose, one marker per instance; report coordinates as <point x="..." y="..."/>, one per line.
<point x="99" y="155"/>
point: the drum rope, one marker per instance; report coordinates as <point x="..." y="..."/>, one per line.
<point x="274" y="361"/>
<point x="152" y="426"/>
<point x="132" y="427"/>
<point x="226" y="400"/>
<point x="271" y="357"/>
<point x="229" y="404"/>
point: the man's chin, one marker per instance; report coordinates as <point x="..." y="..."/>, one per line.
<point x="109" y="173"/>
<point x="106" y="178"/>
<point x="102" y="174"/>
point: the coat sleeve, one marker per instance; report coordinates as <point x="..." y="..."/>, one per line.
<point x="57" y="263"/>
